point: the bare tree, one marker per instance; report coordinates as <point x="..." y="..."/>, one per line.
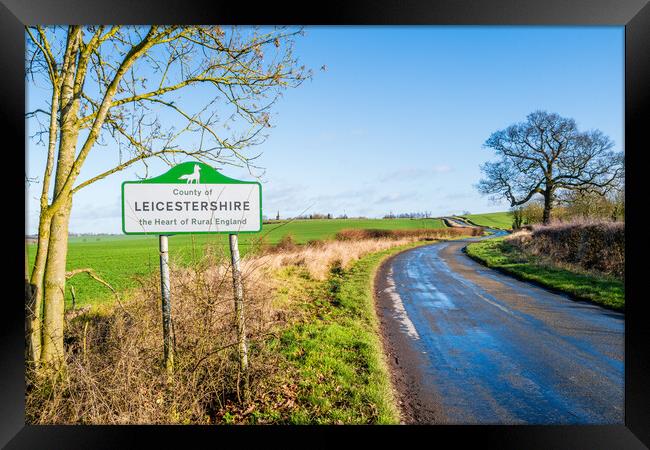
<point x="547" y="155"/>
<point x="166" y="92"/>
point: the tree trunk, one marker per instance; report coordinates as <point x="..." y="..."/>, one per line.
<point x="32" y="344"/>
<point x="34" y="292"/>
<point x="548" y="206"/>
<point x="34" y="287"/>
<point x="52" y="354"/>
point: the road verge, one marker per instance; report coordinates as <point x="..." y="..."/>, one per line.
<point x="499" y="255"/>
<point x="338" y="352"/>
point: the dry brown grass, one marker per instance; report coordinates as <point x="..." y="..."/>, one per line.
<point x="350" y="245"/>
<point x="591" y="245"/>
<point x="317" y="259"/>
<point x="419" y="234"/>
<point x="114" y="359"/>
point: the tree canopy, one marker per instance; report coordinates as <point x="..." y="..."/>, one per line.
<point x="167" y="92"/>
<point x="548" y="155"/>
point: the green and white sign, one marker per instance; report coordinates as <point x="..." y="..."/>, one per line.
<point x="191" y="197"/>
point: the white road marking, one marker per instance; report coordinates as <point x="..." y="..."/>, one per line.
<point x="400" y="313"/>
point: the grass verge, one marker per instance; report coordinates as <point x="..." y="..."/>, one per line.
<point x="336" y="349"/>
<point x="499" y="254"/>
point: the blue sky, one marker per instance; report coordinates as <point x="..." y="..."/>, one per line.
<point x="397" y="120"/>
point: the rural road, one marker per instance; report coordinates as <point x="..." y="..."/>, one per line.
<point x="468" y="345"/>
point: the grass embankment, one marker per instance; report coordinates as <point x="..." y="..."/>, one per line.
<point x="500" y="220"/>
<point x="337" y="352"/>
<point x="501" y="255"/>
<point x="121" y="259"/>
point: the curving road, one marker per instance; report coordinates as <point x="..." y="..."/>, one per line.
<point x="469" y="345"/>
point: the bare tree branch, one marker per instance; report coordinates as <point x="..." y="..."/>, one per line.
<point x="546" y="155"/>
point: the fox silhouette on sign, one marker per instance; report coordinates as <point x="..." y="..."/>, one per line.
<point x="192" y="177"/>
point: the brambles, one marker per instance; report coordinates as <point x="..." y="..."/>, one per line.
<point x="115" y="374"/>
<point x="287" y="243"/>
<point x="590" y="245"/>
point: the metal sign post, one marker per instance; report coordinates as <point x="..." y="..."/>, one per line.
<point x="165" y="288"/>
<point x="238" y="290"/>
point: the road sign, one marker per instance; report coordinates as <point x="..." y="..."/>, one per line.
<point x="191" y="197"/>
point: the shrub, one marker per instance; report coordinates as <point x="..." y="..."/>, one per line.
<point x="286" y="244"/>
<point x="357" y="234"/>
<point x="316" y="243"/>
<point x="598" y="246"/>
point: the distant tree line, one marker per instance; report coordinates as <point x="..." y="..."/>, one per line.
<point x="409" y="215"/>
<point x="313" y="216"/>
<point x="321" y="216"/>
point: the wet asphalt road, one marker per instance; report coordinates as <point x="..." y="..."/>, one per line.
<point x="469" y="345"/>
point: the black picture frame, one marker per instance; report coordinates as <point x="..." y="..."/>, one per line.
<point x="633" y="14"/>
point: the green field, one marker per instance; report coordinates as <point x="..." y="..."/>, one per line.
<point x="501" y="220"/>
<point x="119" y="259"/>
